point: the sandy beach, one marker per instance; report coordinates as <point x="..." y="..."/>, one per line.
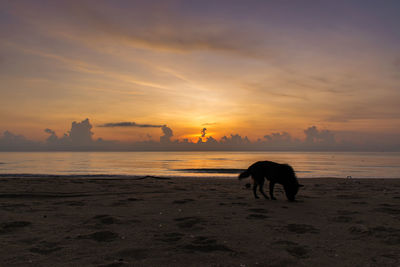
<point x="118" y="221"/>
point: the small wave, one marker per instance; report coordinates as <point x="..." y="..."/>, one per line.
<point x="378" y="166"/>
<point x="35" y="175"/>
<point x="207" y="170"/>
<point x="103" y="176"/>
<point x="218" y="158"/>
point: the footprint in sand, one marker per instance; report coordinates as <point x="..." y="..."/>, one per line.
<point x="119" y="203"/>
<point x="358" y="229"/>
<point x="102" y="236"/>
<point x="343" y="196"/>
<point x="180" y="188"/>
<point x="359" y="202"/>
<point x="133" y="199"/>
<point x="29" y="241"/>
<point x="389" y="235"/>
<point x="302" y="228"/>
<point x="256" y="216"/>
<point x="341" y="219"/>
<point x="387" y="205"/>
<point x="284" y="243"/>
<point x="12" y="207"/>
<point x="294" y="248"/>
<point x="116" y="263"/>
<point x="9" y="227"/>
<point x="240" y="203"/>
<point x="124" y="202"/>
<point x="298" y="251"/>
<point x="259" y="210"/>
<point x="182" y="201"/>
<point x="346" y="212"/>
<point x="171" y="237"/>
<point x="386" y="259"/>
<point x="189" y="222"/>
<point x="388" y="210"/>
<point x="71" y="203"/>
<point x="133" y="253"/>
<point x="106" y="219"/>
<point x="205" y="244"/>
<point x="45" y="248"/>
<point x="102" y="219"/>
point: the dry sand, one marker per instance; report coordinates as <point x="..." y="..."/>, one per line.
<point x="197" y="222"/>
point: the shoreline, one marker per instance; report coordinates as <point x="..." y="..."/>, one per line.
<point x="135" y="176"/>
<point x="197" y="222"/>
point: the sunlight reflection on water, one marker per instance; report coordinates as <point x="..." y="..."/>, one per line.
<point x="226" y="164"/>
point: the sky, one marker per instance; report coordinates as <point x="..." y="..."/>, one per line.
<point x="264" y="74"/>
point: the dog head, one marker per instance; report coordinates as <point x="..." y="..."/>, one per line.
<point x="291" y="190"/>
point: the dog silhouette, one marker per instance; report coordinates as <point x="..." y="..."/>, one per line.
<point x="275" y="173"/>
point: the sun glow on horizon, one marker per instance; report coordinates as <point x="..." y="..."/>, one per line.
<point x="195" y="66"/>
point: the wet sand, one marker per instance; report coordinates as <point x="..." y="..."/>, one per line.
<point x="197" y="222"/>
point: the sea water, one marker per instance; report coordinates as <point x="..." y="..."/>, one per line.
<point x="204" y="164"/>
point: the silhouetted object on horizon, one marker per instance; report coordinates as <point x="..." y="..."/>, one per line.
<point x="275" y="173"/>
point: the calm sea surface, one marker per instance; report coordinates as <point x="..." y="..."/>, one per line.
<point x="210" y="164"/>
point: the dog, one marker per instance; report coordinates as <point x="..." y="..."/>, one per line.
<point x="275" y="173"/>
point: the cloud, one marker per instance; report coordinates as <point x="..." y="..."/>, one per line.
<point x="155" y="26"/>
<point x="211" y="140"/>
<point x="397" y="62"/>
<point x="159" y="27"/>
<point x="49" y="131"/>
<point x="166" y="138"/>
<point x="52" y="139"/>
<point x="14" y="142"/>
<point x="203" y="132"/>
<point x="322" y="137"/>
<point x="80" y="138"/>
<point x="129" y="124"/>
<point x="283" y="137"/>
<point x="10" y="138"/>
<point x="81" y="133"/>
<point x="235" y="139"/>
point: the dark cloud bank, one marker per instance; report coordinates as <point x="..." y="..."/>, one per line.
<point x="80" y="138"/>
<point x="129" y="124"/>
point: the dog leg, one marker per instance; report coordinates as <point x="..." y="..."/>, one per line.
<point x="271" y="190"/>
<point x="255" y="190"/>
<point x="262" y="190"/>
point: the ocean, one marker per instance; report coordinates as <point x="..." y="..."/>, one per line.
<point x="204" y="164"/>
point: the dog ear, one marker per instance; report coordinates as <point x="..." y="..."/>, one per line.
<point x="300" y="185"/>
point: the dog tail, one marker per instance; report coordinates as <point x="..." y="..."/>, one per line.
<point x="244" y="174"/>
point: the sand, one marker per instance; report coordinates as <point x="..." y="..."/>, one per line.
<point x="197" y="222"/>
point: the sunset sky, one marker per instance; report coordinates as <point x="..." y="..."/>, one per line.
<point x="234" y="67"/>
